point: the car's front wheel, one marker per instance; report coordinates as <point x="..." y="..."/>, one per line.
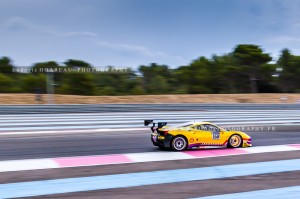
<point x="179" y="143"/>
<point x="235" y="141"/>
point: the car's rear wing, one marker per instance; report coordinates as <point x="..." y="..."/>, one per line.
<point x="159" y="124"/>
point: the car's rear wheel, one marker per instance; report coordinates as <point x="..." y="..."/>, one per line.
<point x="235" y="141"/>
<point x="179" y="143"/>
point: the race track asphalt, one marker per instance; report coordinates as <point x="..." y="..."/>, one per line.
<point x="15" y="147"/>
<point x="28" y="136"/>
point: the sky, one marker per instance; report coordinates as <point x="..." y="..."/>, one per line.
<point x="129" y="33"/>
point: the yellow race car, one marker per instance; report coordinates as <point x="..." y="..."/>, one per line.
<point x="195" y="135"/>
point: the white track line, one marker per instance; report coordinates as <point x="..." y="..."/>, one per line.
<point x="64" y="162"/>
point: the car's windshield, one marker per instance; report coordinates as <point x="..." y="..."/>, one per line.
<point x="186" y="124"/>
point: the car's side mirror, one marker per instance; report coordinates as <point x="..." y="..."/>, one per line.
<point x="191" y="130"/>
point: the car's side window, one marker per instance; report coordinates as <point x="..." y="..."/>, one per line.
<point x="200" y="128"/>
<point x="211" y="128"/>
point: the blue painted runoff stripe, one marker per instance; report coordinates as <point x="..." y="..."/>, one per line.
<point x="279" y="193"/>
<point x="69" y="185"/>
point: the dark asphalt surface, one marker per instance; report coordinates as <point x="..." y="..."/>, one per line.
<point x="59" y="145"/>
<point x="46" y="146"/>
<point x="190" y="189"/>
<point x="16" y="147"/>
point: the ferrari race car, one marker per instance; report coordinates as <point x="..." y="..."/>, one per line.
<point x="194" y="135"/>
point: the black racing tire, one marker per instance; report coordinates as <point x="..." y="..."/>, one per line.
<point x="235" y="141"/>
<point x="179" y="143"/>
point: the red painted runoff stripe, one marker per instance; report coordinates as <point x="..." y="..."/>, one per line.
<point x="62" y="162"/>
<point x="91" y="160"/>
<point x="216" y="152"/>
<point x="295" y="145"/>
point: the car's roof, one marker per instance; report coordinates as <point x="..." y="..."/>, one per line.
<point x="192" y="123"/>
<point x="200" y="122"/>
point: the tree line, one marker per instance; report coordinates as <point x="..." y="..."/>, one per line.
<point x="247" y="69"/>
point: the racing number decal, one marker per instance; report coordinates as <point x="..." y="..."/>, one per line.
<point x="215" y="135"/>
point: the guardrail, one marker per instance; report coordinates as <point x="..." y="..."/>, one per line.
<point x="96" y="108"/>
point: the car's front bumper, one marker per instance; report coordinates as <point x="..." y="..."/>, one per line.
<point x="247" y="142"/>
